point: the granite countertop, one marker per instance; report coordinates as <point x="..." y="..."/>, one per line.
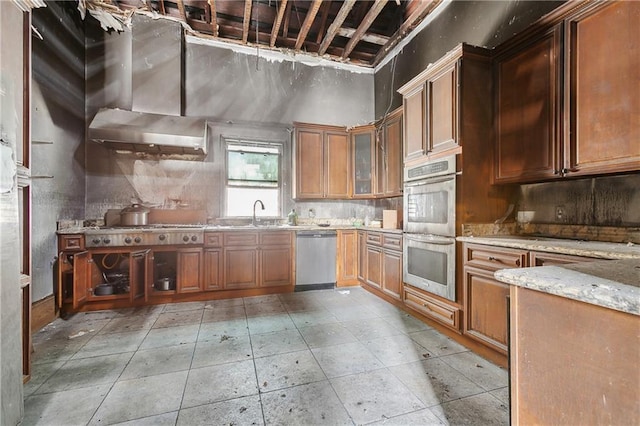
<point x="613" y="284"/>
<point x="596" y="249"/>
<point x="212" y="228"/>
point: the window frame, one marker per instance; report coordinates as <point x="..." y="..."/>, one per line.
<point x="256" y="143"/>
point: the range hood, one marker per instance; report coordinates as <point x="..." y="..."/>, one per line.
<point x="159" y="134"/>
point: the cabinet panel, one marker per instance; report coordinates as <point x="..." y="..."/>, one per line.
<point x="275" y="266"/>
<point x="337" y="171"/>
<point x="494" y="258"/>
<point x="527" y="96"/>
<point x="240" y="239"/>
<point x="363" y="161"/>
<point x="309" y="164"/>
<point x="414" y="124"/>
<point x="240" y="267"/>
<point x="485" y="301"/>
<point x="362" y="256"/>
<point x="347" y="267"/>
<point x="188" y="273"/>
<point x="552" y="259"/>
<point x="70" y="242"/>
<point x="392" y="134"/>
<point x="212" y="239"/>
<point x="276" y="238"/>
<point x="213" y="269"/>
<point x="392" y="277"/>
<point x="431" y="307"/>
<point x="374" y="266"/>
<point x="604" y="89"/>
<point x="442" y="113"/>
<point x="81" y="276"/>
<point x="138" y="274"/>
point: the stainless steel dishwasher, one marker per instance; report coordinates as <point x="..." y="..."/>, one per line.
<point x="315" y="260"/>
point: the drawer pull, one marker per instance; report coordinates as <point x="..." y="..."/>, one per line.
<point x="494" y="259"/>
<point x="517" y="262"/>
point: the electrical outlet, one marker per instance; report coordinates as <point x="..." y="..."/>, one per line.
<point x="560" y="213"/>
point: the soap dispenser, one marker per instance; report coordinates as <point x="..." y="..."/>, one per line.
<point x="292" y="218"/>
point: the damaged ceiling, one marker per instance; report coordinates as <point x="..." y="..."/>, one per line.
<point x="359" y="32"/>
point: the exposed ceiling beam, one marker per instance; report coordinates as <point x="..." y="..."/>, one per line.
<point x="246" y="21"/>
<point x="183" y="13"/>
<point x="368" y="37"/>
<point x="364" y="26"/>
<point x="335" y="25"/>
<point x="323" y="23"/>
<point x="148" y="3"/>
<point x="276" y="25"/>
<point x="422" y="9"/>
<point x="214" y="17"/>
<point x="285" y="29"/>
<point x="162" y="10"/>
<point x="308" y="21"/>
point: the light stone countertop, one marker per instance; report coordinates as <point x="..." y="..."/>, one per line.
<point x="596" y="249"/>
<point x="613" y="284"/>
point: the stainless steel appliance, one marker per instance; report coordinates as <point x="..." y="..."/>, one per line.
<point x="315" y="260"/>
<point x="151" y="235"/>
<point x="429" y="259"/>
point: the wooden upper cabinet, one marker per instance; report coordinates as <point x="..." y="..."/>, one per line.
<point x="363" y="142"/>
<point x="603" y="72"/>
<point x="568" y="97"/>
<point x="527" y="120"/>
<point x="389" y="161"/>
<point x="442" y="109"/>
<point x="413" y="140"/>
<point x="321" y="162"/>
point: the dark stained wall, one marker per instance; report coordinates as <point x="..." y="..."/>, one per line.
<point x="480" y="23"/>
<point x="58" y="117"/>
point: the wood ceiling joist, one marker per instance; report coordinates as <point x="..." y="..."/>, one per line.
<point x="214" y="17"/>
<point x="287" y="17"/>
<point x="308" y="21"/>
<point x="276" y="25"/>
<point x="246" y="21"/>
<point x="364" y="26"/>
<point x="148" y="4"/>
<point x="183" y="13"/>
<point x="162" y="9"/>
<point x="335" y="25"/>
<point x="420" y="11"/>
<point x="323" y="23"/>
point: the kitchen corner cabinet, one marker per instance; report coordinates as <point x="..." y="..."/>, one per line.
<point x="567" y="96"/>
<point x="382" y="258"/>
<point x="322" y="162"/>
<point x="363" y="148"/>
<point x="347" y="259"/>
<point x="389" y="155"/>
<point x="441" y="104"/>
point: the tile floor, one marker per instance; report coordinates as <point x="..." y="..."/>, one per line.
<point x="317" y="357"/>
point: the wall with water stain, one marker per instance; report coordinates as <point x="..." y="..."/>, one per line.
<point x="601" y="201"/>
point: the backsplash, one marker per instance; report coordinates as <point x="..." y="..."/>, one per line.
<point x="602" y="201"/>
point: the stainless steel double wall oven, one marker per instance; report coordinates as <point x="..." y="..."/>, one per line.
<point x="429" y="260"/>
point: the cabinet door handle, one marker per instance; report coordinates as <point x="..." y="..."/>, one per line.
<point x="518" y="262"/>
<point x="494" y="259"/>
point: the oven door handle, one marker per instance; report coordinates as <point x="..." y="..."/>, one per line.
<point x="443" y="241"/>
<point x="430" y="181"/>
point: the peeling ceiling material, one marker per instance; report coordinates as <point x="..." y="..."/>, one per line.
<point x="359" y="32"/>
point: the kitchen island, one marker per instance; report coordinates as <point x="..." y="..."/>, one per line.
<point x="575" y="342"/>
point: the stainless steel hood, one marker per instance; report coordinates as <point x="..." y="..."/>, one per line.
<point x="150" y="133"/>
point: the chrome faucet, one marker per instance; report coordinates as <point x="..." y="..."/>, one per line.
<point x="253" y="221"/>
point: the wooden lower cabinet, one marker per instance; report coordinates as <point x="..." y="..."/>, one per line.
<point x="212" y="269"/>
<point x="275" y="266"/>
<point x="347" y="259"/>
<point x="240" y="267"/>
<point x="189" y="270"/>
<point x="426" y="304"/>
<point x="380" y="255"/>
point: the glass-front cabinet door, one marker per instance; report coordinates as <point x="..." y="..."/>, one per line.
<point x="363" y="140"/>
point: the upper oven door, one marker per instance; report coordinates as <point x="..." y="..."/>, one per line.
<point x="430" y="206"/>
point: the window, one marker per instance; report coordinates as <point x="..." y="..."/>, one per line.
<point x="253" y="172"/>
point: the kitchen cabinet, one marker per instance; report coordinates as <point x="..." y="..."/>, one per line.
<point x="257" y="259"/>
<point x="212" y="259"/>
<point x="362" y="256"/>
<point x="189" y="274"/>
<point x="566" y="95"/>
<point x="447" y="103"/>
<point x="347" y="259"/>
<point x="363" y="147"/>
<point x="431" y="307"/>
<point x="183" y="266"/>
<point x="383" y="259"/>
<point x="485" y="298"/>
<point x="389" y="155"/>
<point x="322" y="162"/>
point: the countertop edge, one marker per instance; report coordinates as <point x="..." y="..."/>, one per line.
<point x="566" y="281"/>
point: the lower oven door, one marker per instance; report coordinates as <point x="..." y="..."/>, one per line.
<point x="429" y="263"/>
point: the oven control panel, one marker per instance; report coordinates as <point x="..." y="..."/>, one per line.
<point x="118" y="237"/>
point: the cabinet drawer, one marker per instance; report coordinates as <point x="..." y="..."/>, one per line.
<point x="392" y="241"/>
<point x="550" y="259"/>
<point x="70" y="242"/>
<point x="432" y="308"/>
<point x="374" y="238"/>
<point x="494" y="258"/>
<point x="240" y="238"/>
<point x="276" y="238"/>
<point x="212" y="239"/>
